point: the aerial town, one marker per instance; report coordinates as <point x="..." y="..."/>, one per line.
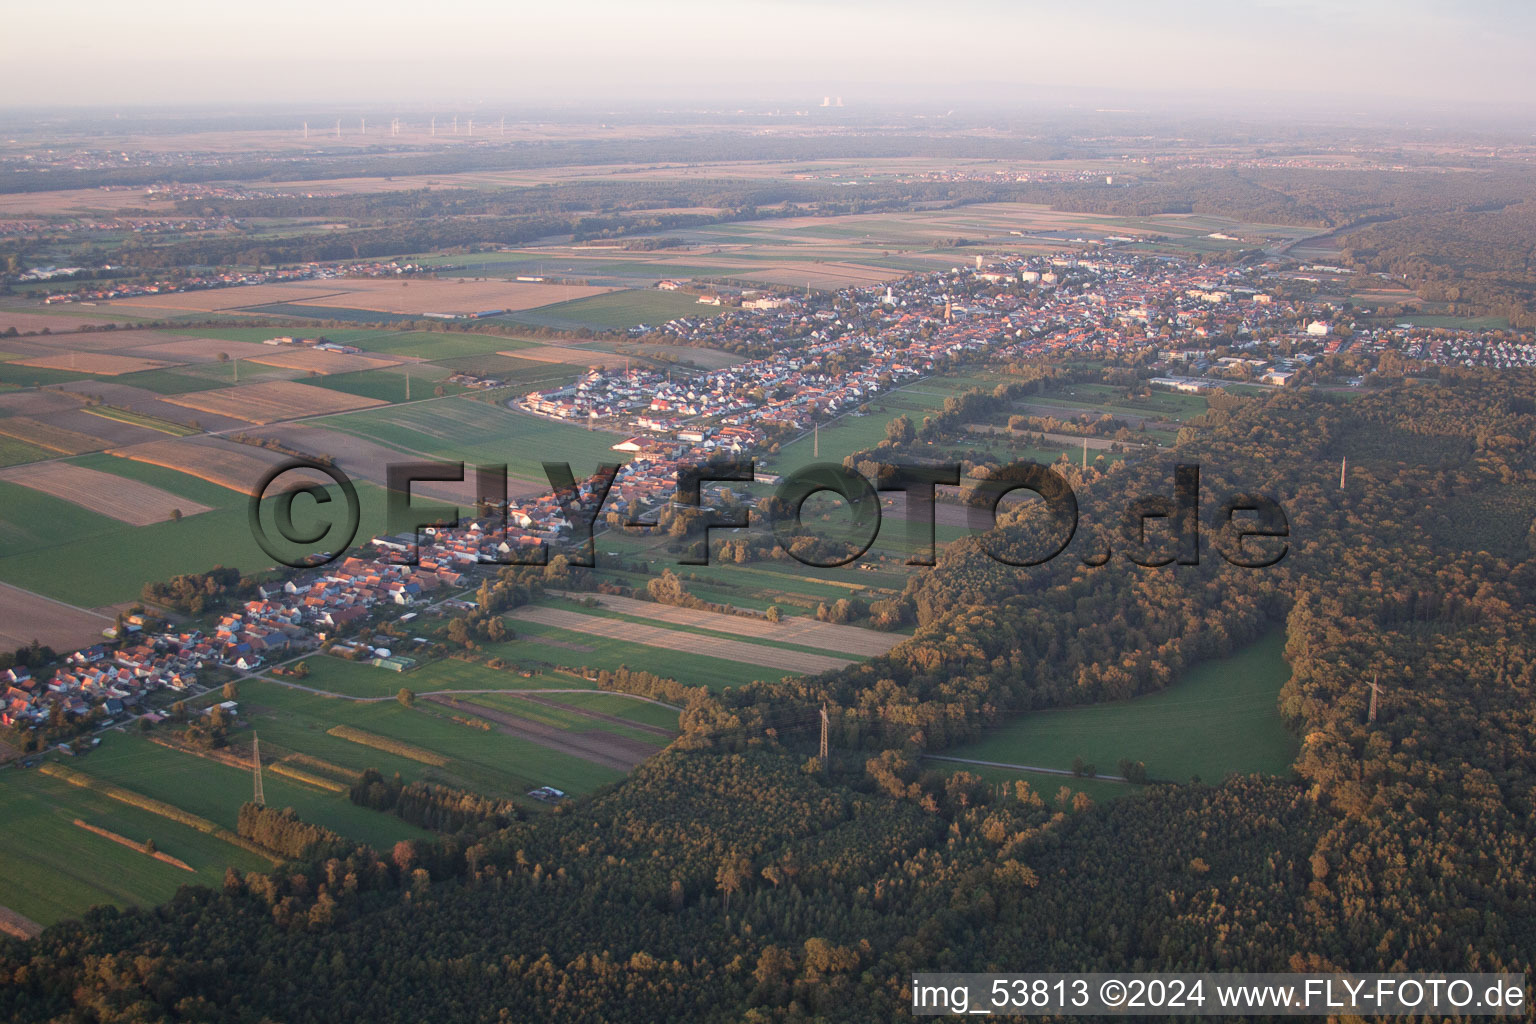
<point x="1186" y="326"/>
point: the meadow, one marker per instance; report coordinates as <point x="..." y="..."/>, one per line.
<point x="57" y="549"/>
<point x="485" y="761"/>
<point x="216" y="791"/>
<point x="1221" y="718"/>
<point x="615" y="311"/>
<point x="540" y="646"/>
<point x="54" y="869"/>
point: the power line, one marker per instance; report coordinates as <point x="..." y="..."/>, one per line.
<point x="261" y="797"/>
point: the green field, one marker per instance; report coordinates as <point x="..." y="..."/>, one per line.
<point x="620" y="706"/>
<point x="1220" y="719"/>
<point x="36" y="376"/>
<point x="187" y="486"/>
<point x="856" y="432"/>
<point x="216" y="791"/>
<point x="433" y="345"/>
<point x="488" y="762"/>
<point x="559" y="718"/>
<point x="359" y="679"/>
<point x="480" y="432"/>
<point x="720" y="629"/>
<point x="14" y="452"/>
<point x="614" y="310"/>
<point x="538" y="645"/>
<point x="54" y="869"/>
<point x="390" y="385"/>
<point x="56" y="548"/>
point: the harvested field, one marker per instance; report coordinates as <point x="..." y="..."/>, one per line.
<point x="25" y="616"/>
<point x="212" y="300"/>
<point x="142" y="400"/>
<point x="18" y="926"/>
<point x="818" y="275"/>
<point x="567" y="355"/>
<point x="26" y="322"/>
<point x="58" y="439"/>
<point x="672" y="640"/>
<point x="105" y="364"/>
<point x="235" y="466"/>
<point x="803" y="632"/>
<point x="109" y="432"/>
<point x="37" y="403"/>
<point x="177" y="349"/>
<point x="291" y="358"/>
<point x="125" y="500"/>
<point x="269" y="401"/>
<point x="604" y="748"/>
<point x="449" y="295"/>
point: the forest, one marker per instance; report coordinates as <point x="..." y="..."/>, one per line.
<point x="739" y="877"/>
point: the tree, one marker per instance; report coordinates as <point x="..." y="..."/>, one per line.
<point x="732" y="875"/>
<point x="175" y="515"/>
<point x="900" y="430"/>
<point x="231" y="691"/>
<point x="406" y="697"/>
<point x="773" y="614"/>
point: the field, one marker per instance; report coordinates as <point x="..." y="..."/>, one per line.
<point x="1220" y="719"/>
<point x="41" y="319"/>
<point x="270" y="401"/>
<point x="226" y="463"/>
<point x="855" y="431"/>
<point x="213" y="300"/>
<point x="14" y="452"/>
<point x="318" y="360"/>
<point x="57" y="549"/>
<point x="55" y="869"/>
<point x="799" y="632"/>
<point x="124" y="500"/>
<point x="100" y="363"/>
<point x="617" y="311"/>
<point x="478" y="431"/>
<point x="795" y="662"/>
<point x="215" y="791"/>
<point x="44" y="435"/>
<point x="488" y="761"/>
<point x="584" y="358"/>
<point x="25" y="616"/>
<point x="539" y="646"/>
<point x="451" y="295"/>
<point x="138" y="419"/>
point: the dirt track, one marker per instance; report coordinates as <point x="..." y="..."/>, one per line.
<point x="617" y="752"/>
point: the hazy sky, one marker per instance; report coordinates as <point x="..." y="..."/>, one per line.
<point x="788" y="52"/>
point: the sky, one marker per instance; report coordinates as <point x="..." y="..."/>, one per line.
<point x="791" y="52"/>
